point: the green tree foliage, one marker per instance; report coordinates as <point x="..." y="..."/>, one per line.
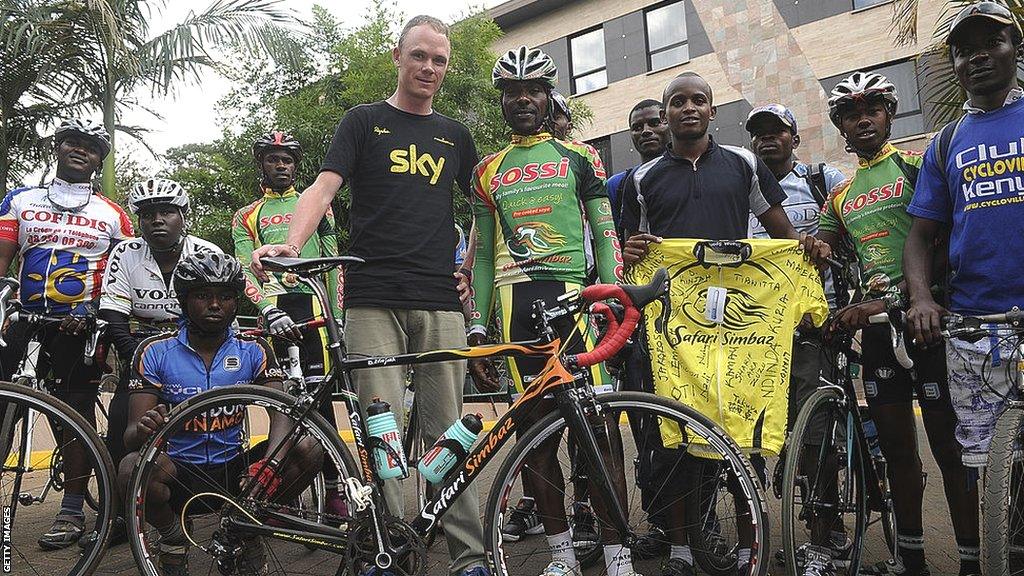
<point x="936" y="68"/>
<point x="339" y="68"/>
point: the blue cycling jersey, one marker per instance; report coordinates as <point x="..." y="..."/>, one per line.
<point x="167" y="366"/>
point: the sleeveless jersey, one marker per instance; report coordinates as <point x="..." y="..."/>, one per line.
<point x="725" y="345"/>
<point x="871" y="208"/>
<point x="63" y="252"/>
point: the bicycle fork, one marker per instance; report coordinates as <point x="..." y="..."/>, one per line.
<point x="574" y="406"/>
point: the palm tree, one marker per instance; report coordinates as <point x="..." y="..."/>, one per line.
<point x="937" y="69"/>
<point x="119" y="55"/>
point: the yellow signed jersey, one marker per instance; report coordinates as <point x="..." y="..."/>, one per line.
<point x="724" y="346"/>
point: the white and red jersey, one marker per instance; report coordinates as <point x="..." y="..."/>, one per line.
<point x="63" y="252"/>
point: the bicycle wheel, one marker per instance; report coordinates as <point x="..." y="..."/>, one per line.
<point x="197" y="466"/>
<point x="823" y="490"/>
<point x="1002" y="510"/>
<point x="653" y="502"/>
<point x="23" y="478"/>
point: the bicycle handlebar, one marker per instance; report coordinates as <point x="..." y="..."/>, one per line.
<point x="11" y="310"/>
<point x="617" y="334"/>
<point x="899" y="343"/>
<point x="8" y="287"/>
<point x="958" y="325"/>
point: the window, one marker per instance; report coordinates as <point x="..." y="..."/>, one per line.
<point x="603" y="146"/>
<point x="861" y="4"/>
<point x="666" y="36"/>
<point x="586" y="54"/>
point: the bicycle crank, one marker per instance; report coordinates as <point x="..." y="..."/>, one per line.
<point x="401" y="553"/>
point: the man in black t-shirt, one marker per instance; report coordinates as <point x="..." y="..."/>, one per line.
<point x="401" y="161"/>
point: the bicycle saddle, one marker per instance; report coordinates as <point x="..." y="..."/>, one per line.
<point x="307" y="266"/>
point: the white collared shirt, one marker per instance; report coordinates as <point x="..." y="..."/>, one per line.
<point x="1014" y="95"/>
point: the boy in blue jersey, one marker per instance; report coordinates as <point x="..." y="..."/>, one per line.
<point x="168" y="369"/>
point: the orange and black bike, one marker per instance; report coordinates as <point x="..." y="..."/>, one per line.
<point x="236" y="524"/>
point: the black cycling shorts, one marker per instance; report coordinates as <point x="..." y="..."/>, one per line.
<point x="887" y="382"/>
<point x="225" y="479"/>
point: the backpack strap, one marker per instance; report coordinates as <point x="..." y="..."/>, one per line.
<point x="815" y="177"/>
<point x="908" y="170"/>
<point x="944" y="140"/>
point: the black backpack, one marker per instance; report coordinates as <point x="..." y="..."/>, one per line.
<point x="815" y="177"/>
<point x="944" y="140"/>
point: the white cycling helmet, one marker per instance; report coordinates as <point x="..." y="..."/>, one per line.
<point x="94" y="132"/>
<point x="862" y="86"/>
<point x="157" y="191"/>
<point x="522" y="64"/>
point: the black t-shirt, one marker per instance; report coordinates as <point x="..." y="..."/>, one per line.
<point x="401" y="169"/>
<point x="672" y="197"/>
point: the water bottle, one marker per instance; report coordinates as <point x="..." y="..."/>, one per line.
<point x="439" y="460"/>
<point x="871" y="435"/>
<point x="380" y="423"/>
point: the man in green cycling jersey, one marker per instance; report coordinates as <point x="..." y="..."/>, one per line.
<point x="282" y="300"/>
<point x="870" y="210"/>
<point x="533" y="199"/>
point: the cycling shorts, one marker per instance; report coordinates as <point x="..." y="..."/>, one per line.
<point x="61" y="359"/>
<point x="516" y="323"/>
<point x="225" y="478"/>
<point x="887" y="382"/>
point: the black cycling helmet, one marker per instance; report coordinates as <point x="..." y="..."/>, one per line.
<point x="206" y="268"/>
<point x="561" y="104"/>
<point x="279" y="140"/>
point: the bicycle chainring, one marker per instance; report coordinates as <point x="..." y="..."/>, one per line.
<point x="407" y="552"/>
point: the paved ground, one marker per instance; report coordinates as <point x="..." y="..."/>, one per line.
<point x="118" y="561"/>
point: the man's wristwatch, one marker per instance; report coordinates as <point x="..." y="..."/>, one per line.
<point x="294" y="249"/>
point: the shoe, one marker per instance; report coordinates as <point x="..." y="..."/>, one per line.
<point x="652" y="544"/>
<point x="118" y="535"/>
<point x="173" y="560"/>
<point x="818" y="562"/>
<point x="477" y="571"/>
<point x="839" y="549"/>
<point x="677" y="567"/>
<point x="894" y="567"/>
<point x="558" y="568"/>
<point x="65" y="531"/>
<point x="253" y="559"/>
<point x="583" y="526"/>
<point x="522" y="521"/>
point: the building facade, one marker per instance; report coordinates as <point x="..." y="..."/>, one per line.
<point x="614" y="53"/>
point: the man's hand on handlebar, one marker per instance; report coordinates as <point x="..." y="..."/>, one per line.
<point x="817" y="251"/>
<point x="856" y="316"/>
<point x="153" y="420"/>
<point x="270" y="250"/>
<point x="924" y="321"/>
<point x="636" y="247"/>
<point x="73" y="325"/>
<point x="279" y="323"/>
<point x="482" y="370"/>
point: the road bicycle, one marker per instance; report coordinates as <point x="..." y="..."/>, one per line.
<point x="1002" y="508"/>
<point x="231" y="518"/>
<point x="35" y="431"/>
<point x="833" y="481"/>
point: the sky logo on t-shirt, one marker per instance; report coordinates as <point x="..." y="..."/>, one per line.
<point x="409" y="161"/>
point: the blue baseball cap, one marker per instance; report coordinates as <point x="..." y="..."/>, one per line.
<point x="778" y="111"/>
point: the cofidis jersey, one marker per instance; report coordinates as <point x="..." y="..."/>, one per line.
<point x="981" y="195"/>
<point x="401" y="169"/>
<point x="63" y="252"/>
<point x="725" y="345"/>
<point x="167" y="366"/>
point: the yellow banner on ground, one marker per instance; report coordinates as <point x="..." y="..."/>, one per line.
<point x="724" y="346"/>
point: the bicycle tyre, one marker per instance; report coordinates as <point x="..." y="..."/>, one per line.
<point x="707" y="554"/>
<point x="198" y="405"/>
<point x="999" y="511"/>
<point x="822" y="399"/>
<point x="96" y="454"/>
<point x="617" y="403"/>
